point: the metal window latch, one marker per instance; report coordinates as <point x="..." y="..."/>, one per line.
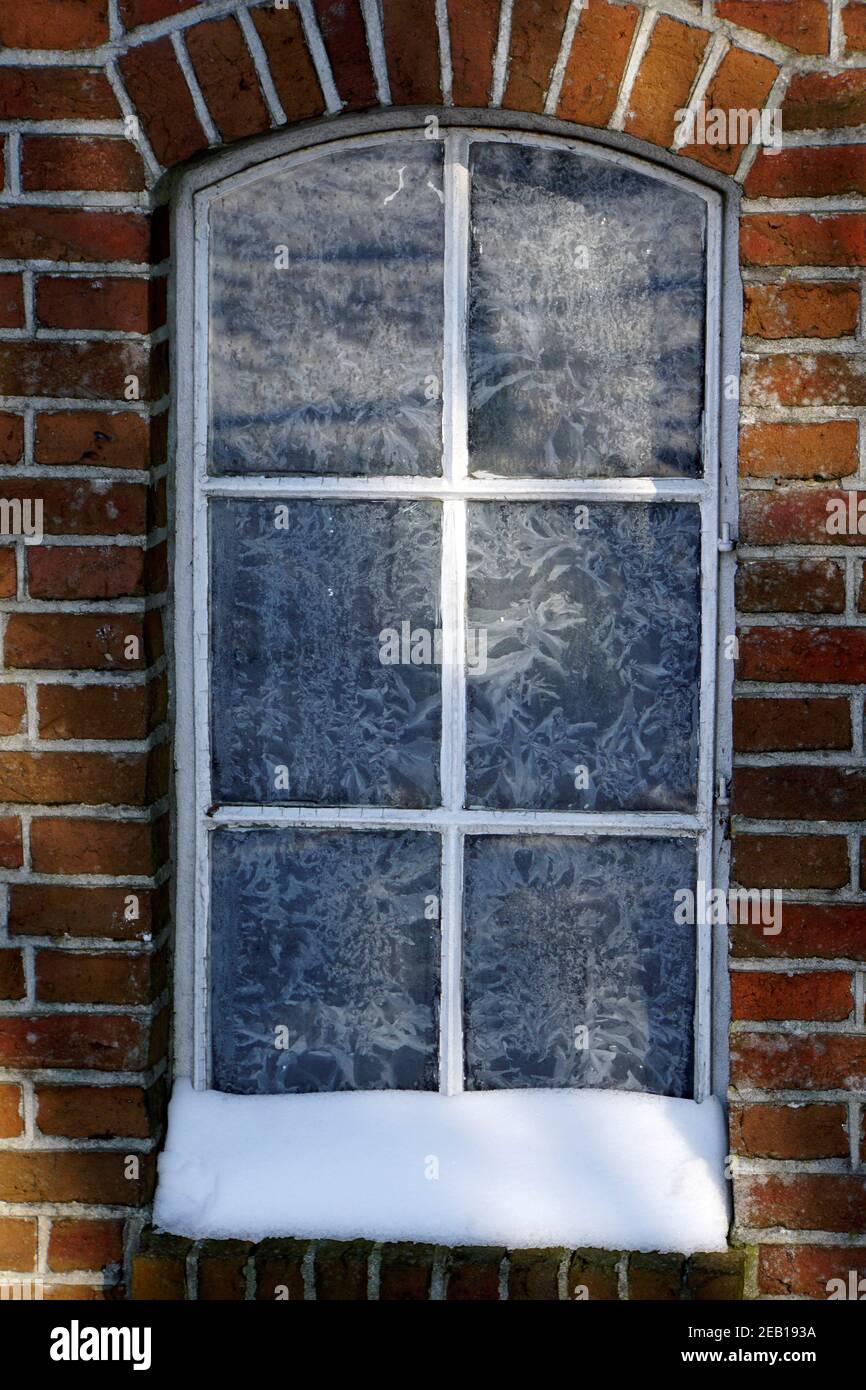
<point x="726" y="540"/>
<point x="723" y="792"/>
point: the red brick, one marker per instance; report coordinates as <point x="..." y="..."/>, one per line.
<point x="594" y="1271"/>
<point x="8" y="572"/>
<point x="800" y="24"/>
<point x="835" y="654"/>
<point x="59" y="162"/>
<point x="806" y="1270"/>
<point x="799" y="309"/>
<point x="790" y="586"/>
<point x="11" y="975"/>
<point x="473" y="1273"/>
<point x="222" y="1274"/>
<point x="13" y="709"/>
<point x="63" y="641"/>
<point x="807" y="172"/>
<point x="61" y="1176"/>
<point x="802" y="793"/>
<point x="764" y="995"/>
<point x="405" y="1271"/>
<point x="596" y="63"/>
<point x="43" y="910"/>
<point x="795" y="516"/>
<point x="95" y="1112"/>
<point x="100" y="711"/>
<point x="825" y="931"/>
<point x="11" y="1125"/>
<point x="743" y="82"/>
<point x="11" y="437"/>
<point x="788" y="725"/>
<point x="802" y="1201"/>
<point x="73" y="234"/>
<point x="854" y="26"/>
<point x="824" y="450"/>
<point x="159" y="1267"/>
<point x="11" y="302"/>
<point x="533" y="1275"/>
<point x="536" y="34"/>
<point x="88" y="371"/>
<point x="789" y="1131"/>
<point x="89" y="572"/>
<point x="227" y="76"/>
<point x="158" y="89"/>
<point x="70" y="977"/>
<point x="11" y="850"/>
<point x="789" y="861"/>
<point x="786" y="1061"/>
<point x="54" y="24"/>
<point x="84" y="1245"/>
<point x="825" y="101"/>
<point x="122" y="303"/>
<point x="92" y="437"/>
<point x="665" y="80"/>
<point x="827" y="378"/>
<point x="63" y="845"/>
<point x="61" y="779"/>
<point x="56" y="94"/>
<point x="412" y="50"/>
<point x="93" y="1042"/>
<point x="655" y="1276"/>
<point x="341" y="24"/>
<point x="135" y="12"/>
<point x="18" y="1244"/>
<point x="79" y="507"/>
<point x="473" y="29"/>
<point x="292" y="68"/>
<point x="803" y="238"/>
<point x="279" y="1266"/>
<point x="341" y="1270"/>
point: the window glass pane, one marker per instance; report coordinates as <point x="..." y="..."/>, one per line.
<point x="575" y="972"/>
<point x="586" y="318"/>
<point x="588" y="699"/>
<point x="325" y="971"/>
<point x="326" y="316"/>
<point x="304" y="705"/>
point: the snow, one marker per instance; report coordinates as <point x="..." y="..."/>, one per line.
<point x="572" y="1168"/>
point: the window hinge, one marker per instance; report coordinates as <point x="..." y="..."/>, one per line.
<point x="726" y="541"/>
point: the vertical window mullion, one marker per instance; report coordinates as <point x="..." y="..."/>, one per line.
<point x="453" y="765"/>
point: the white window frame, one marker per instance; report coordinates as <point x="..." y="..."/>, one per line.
<point x="714" y="494"/>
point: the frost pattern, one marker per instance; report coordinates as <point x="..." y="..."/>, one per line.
<point x="296" y="676"/>
<point x="331" y="365"/>
<point x="586" y="318"/>
<point x="593" y="656"/>
<point x="564" y="934"/>
<point x="324" y="934"/>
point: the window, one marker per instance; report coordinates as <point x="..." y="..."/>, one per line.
<point x="453" y="536"/>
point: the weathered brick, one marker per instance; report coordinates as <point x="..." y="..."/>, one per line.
<point x="800" y="24"/>
<point x="11" y="975"/>
<point x="803" y="238"/>
<point x="789" y="1131"/>
<point x="806" y="1270"/>
<point x="716" y="1277"/>
<point x="11" y="302"/>
<point x="72" y="977"/>
<point x="89" y="1244"/>
<point x="823" y="930"/>
<point x="11" y="437"/>
<point x="13" y="709"/>
<point x="473" y="28"/>
<point x="54" y="24"/>
<point x="743" y="81"/>
<point x="760" y="996"/>
<point x="827" y="449"/>
<point x="808" y="172"/>
<point x="652" y="1275"/>
<point x="159" y="1267"/>
<point x="66" y="844"/>
<point x="291" y="66"/>
<point x="534" y="1274"/>
<point x="58" y="162"/>
<point x="93" y="437"/>
<point x="135" y="12"/>
<point x="472" y="1273"/>
<point x="72" y="641"/>
<point x="800" y="309"/>
<point x="596" y="63"/>
<point x="87" y="371"/>
<point x="854" y="26"/>
<point x="73" y="234"/>
<point x="63" y="779"/>
<point x="800" y="654"/>
<point x="341" y="24"/>
<point x="279" y="1269"/>
<point x="825" y="101"/>
<point x="412" y="51"/>
<point x="665" y="79"/>
<point x="158" y="88"/>
<point x="341" y="1270"/>
<point x="56" y="94"/>
<point x="18" y="1243"/>
<point x="47" y="910"/>
<point x="785" y="1061"/>
<point x="779" y="726"/>
<point x="801" y="1201"/>
<point x="90" y="1042"/>
<point x="827" y="378"/>
<point x="405" y="1271"/>
<point x="227" y="76"/>
<point x="100" y="711"/>
<point x="11" y="852"/>
<point x="127" y="304"/>
<point x="800" y="793"/>
<point x="789" y="861"/>
<point x="11" y="1119"/>
<point x="790" y="586"/>
<point x="8" y="572"/>
<point x="592" y="1274"/>
<point x="88" y="572"/>
<point x="221" y="1267"/>
<point x="536" y="34"/>
<point x="97" y="1112"/>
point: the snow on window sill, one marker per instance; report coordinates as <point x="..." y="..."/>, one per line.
<point x="611" y="1169"/>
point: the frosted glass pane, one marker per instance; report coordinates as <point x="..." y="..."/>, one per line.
<point x="589" y="699"/>
<point x="325" y="968"/>
<point x="303" y="709"/>
<point x="586" y="318"/>
<point x="575" y="972"/>
<point x="332" y="363"/>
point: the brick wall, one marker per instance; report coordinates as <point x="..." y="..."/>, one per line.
<point x="98" y="98"/>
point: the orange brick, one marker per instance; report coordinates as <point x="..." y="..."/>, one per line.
<point x="665" y="79"/>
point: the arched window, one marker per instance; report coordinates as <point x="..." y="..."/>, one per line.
<point x="451" y="524"/>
